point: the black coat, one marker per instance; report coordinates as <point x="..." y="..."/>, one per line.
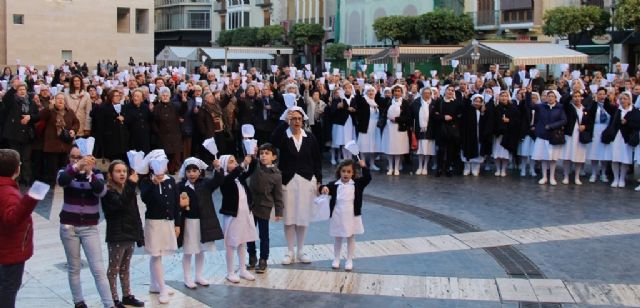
<point x="307" y="162"/>
<point x="526" y="126"/>
<point x="404" y="120"/>
<point x="114" y="134"/>
<point x="572" y="118"/>
<point x="12" y="112"/>
<point x="363" y="112"/>
<point x="430" y="134"/>
<point x="138" y="123"/>
<point x="247" y="109"/>
<point x="360" y="184"/>
<point x="629" y="131"/>
<point x="269" y="122"/>
<point x="161" y="206"/>
<point x="201" y="207"/>
<point x="230" y="192"/>
<point x="454" y="109"/>
<point x="510" y="132"/>
<point x="341" y="115"/>
<point x="469" y="132"/>
<point x="123" y="215"/>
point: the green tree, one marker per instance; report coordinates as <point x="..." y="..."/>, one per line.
<point x="270" y="35"/>
<point x="398" y="29"/>
<point x="627" y="15"/>
<point x="564" y="20"/>
<point x="306" y="34"/>
<point x="245" y="37"/>
<point x="335" y="51"/>
<point x="225" y="38"/>
<point x="445" y="27"/>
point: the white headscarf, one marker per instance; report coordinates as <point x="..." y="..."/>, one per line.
<point x="370" y="101"/>
<point x="192" y="161"/>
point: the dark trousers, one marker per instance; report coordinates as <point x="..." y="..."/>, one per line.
<point x="263" y="231"/>
<point x="25" y="158"/>
<point x="10" y="281"/>
<point x="448" y="157"/>
<point x="38" y="165"/>
<point x="55" y="162"/>
<point x="119" y="261"/>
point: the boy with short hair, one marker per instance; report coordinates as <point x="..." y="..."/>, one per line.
<point x="16" y="227"/>
<point x="266" y="190"/>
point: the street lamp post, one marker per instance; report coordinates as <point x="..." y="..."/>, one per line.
<point x="475" y="55"/>
<point x="613" y="11"/>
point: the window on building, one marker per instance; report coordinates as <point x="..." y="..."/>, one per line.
<point x="486" y="14"/>
<point x="18" y="19"/>
<point x="238" y="20"/>
<point x="246" y="19"/>
<point x="517" y="16"/>
<point x="123" y="20"/>
<point x="142" y="21"/>
<point x="199" y="20"/>
<point x="67" y="55"/>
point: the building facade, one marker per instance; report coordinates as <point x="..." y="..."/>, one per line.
<point x="182" y="23"/>
<point x="233" y="14"/>
<point x="37" y="32"/>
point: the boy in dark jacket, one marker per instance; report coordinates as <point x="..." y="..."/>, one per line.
<point x="266" y="189"/>
<point x="16" y="227"/>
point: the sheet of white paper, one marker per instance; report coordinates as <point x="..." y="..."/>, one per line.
<point x="625" y="66"/>
<point x="508" y="81"/>
<point x="525" y="82"/>
<point x="336" y="71"/>
<point x="611" y="77"/>
<point x="398" y="75"/>
<point x="455" y="63"/>
<point x="210" y="145"/>
<point x="575" y="74"/>
<point x="224" y="68"/>
<point x="593" y="88"/>
<point x="274" y="68"/>
<point x="352" y="147"/>
<point x="198" y="101"/>
<point x="159" y="166"/>
<point x="152" y="98"/>
<point x="467" y="76"/>
<point x="434" y="82"/>
<point x="248" y="131"/>
<point x="327" y="66"/>
<point x="533" y="73"/>
<point x="289" y="99"/>
<point x="250" y="146"/>
<point x="321" y="210"/>
<point x="38" y="190"/>
<point x="118" y="108"/>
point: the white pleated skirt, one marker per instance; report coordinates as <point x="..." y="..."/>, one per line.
<point x="394" y="142"/>
<point x="242" y="228"/>
<point x="160" y="237"/>
<point x="543" y="150"/>
<point x="370" y="141"/>
<point x="341" y="134"/>
<point x="499" y="152"/>
<point x="573" y="150"/>
<point x="621" y="152"/>
<point x="343" y="222"/>
<point x="525" y="148"/>
<point x="596" y="150"/>
<point x="426" y="147"/>
<point x="298" y="197"/>
<point x="191" y="241"/>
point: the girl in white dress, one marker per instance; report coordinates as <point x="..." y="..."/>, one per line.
<point x="369" y="141"/>
<point x="395" y="140"/>
<point x="626" y="122"/>
<point x="598" y="152"/>
<point x="574" y="151"/>
<point x="346" y="208"/>
<point x="238" y="224"/>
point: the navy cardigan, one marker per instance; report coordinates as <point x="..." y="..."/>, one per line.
<point x="360" y="184"/>
<point x="229" y="189"/>
<point x="306" y="162"/>
<point x="547" y="117"/>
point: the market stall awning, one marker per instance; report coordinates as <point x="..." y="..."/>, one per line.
<point x="517" y="53"/>
<point x="411" y="54"/>
<point x="175" y="53"/>
<point x="235" y="54"/>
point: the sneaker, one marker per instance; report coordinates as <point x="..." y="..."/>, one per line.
<point x="246" y="275"/>
<point x="203" y="282"/>
<point x="397" y="172"/>
<point x="80" y="305"/>
<point x="614" y="184"/>
<point x="542" y="181"/>
<point x="233" y="277"/>
<point x="348" y="266"/>
<point x="621" y="184"/>
<point x="163" y="298"/>
<point x="565" y="181"/>
<point x="132" y="301"/>
<point x="118" y="304"/>
<point x="288" y="258"/>
<point x="592" y="178"/>
<point x="262" y="266"/>
<point x="497" y="173"/>
<point x="553" y="182"/>
<point x="637" y="188"/>
<point x="335" y="264"/>
<point x="503" y="173"/>
<point x="252" y="262"/>
<point x="419" y="172"/>
<point x="303" y="258"/>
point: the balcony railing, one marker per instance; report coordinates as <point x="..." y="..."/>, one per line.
<point x="491" y="20"/>
<point x="176" y="2"/>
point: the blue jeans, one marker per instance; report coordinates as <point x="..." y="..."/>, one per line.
<point x="263" y="232"/>
<point x="10" y="281"/>
<point x="87" y="237"/>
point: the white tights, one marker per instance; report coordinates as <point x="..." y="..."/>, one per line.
<point x="501" y="165"/>
<point x="566" y="169"/>
<point x="157" y="274"/>
<point x="423" y="162"/>
<point x="186" y="266"/>
<point x="549" y="165"/>
<point x="619" y="172"/>
<point x="394" y="166"/>
<point x="351" y="247"/>
<point x="242" y="257"/>
<point x="598" y="166"/>
<point x="293" y="232"/>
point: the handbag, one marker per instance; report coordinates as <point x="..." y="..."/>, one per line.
<point x="65" y="136"/>
<point x="414" y="141"/>
<point x="609" y="133"/>
<point x="556" y="137"/>
<point x="586" y="136"/>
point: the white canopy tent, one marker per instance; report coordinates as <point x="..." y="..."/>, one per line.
<point x="178" y="56"/>
<point x="517" y="53"/>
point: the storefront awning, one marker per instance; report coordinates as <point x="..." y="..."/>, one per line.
<point x="219" y="54"/>
<point x="176" y="53"/>
<point x="517" y="54"/>
<point x="411" y="54"/>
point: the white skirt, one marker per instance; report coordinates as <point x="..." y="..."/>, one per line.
<point x="543" y="150"/>
<point x="477" y="160"/>
<point x="499" y="152"/>
<point x="242" y="228"/>
<point x="341" y="134"/>
<point x="573" y="150"/>
<point x="343" y="222"/>
<point x="426" y="147"/>
<point x="596" y="150"/>
<point x="370" y="142"/>
<point x="160" y="237"/>
<point x="394" y="142"/>
<point x="525" y="148"/>
<point x="621" y="152"/>
<point x="637" y="154"/>
<point x="191" y="241"/>
<point x="298" y="197"/>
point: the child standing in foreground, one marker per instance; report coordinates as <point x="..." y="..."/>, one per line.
<point x="238" y="225"/>
<point x="346" y="208"/>
<point x="266" y="189"/>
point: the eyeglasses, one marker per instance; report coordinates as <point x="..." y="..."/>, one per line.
<point x="75" y="157"/>
<point x="296" y="119"/>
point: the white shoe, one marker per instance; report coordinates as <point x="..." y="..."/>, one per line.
<point x="614" y="184"/>
<point x="203" y="282"/>
<point x="335" y="264"/>
<point x="303" y="258"/>
<point x="592" y="179"/>
<point x="637" y="188"/>
<point x="621" y="184"/>
<point x="419" y="172"/>
<point x="244" y="274"/>
<point x="523" y="172"/>
<point x="374" y="167"/>
<point x="503" y="173"/>
<point x="466" y="172"/>
<point x="578" y="182"/>
<point x="190" y="284"/>
<point x="390" y="172"/>
<point x="348" y="266"/>
<point x="604" y="178"/>
<point x="475" y="173"/>
<point x="157" y="291"/>
<point x="233" y="277"/>
<point x="288" y="258"/>
<point x="497" y="173"/>
<point x="565" y="181"/>
<point x="333" y="162"/>
<point x="533" y="173"/>
<point x="425" y="171"/>
<point x="163" y="298"/>
<point x="396" y="172"/>
<point x="542" y="181"/>
<point x="553" y="182"/>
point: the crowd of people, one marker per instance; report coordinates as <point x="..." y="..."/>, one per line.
<point x="463" y="120"/>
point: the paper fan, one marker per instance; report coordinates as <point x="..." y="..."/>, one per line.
<point x="289" y="99"/>
<point x="250" y="146"/>
<point x="137" y="162"/>
<point x="248" y="131"/>
<point x="159" y="166"/>
<point x="353" y="148"/>
<point x="210" y="145"/>
<point x="85" y="145"/>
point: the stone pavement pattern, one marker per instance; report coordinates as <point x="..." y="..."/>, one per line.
<point x="428" y="242"/>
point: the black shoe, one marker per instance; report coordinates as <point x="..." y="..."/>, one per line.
<point x="132" y="301"/>
<point x="252" y="262"/>
<point x="118" y="304"/>
<point x="81" y="305"/>
<point x="262" y="266"/>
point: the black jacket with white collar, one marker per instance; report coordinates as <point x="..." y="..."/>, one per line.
<point x="360" y="184"/>
<point x="307" y="162"/>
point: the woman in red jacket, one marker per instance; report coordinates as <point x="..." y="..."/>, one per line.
<point x="16" y="228"/>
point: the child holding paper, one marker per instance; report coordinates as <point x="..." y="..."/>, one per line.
<point x="161" y="195"/>
<point x="346" y="208"/>
<point x="238" y="225"/>
<point x="201" y="225"/>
